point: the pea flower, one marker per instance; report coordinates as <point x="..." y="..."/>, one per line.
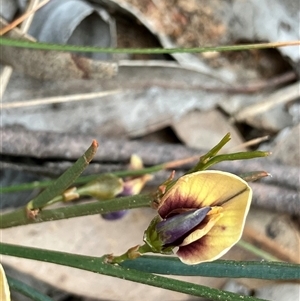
<point x="131" y="186"/>
<point x="203" y="214"/>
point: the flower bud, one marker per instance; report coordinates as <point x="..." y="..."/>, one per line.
<point x="173" y="230"/>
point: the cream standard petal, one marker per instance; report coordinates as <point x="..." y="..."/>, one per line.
<point x="223" y="235"/>
<point x="201" y="189"/>
<point x="4" y="288"/>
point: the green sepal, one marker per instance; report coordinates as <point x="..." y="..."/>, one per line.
<point x="152" y="239"/>
<point x="105" y="187"/>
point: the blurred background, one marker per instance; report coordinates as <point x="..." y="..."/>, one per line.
<point x="161" y="107"/>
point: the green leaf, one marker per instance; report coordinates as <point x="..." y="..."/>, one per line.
<point x="65" y="180"/>
<point x="26" y="290"/>
<point x="18" y="217"/>
<point x="219" y="268"/>
<point x="235" y="156"/>
<point x="210" y="154"/>
<point x="99" y="265"/>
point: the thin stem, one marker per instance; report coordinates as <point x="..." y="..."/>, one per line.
<point x="19" y="217"/>
<point x="83" y="179"/>
<point x="132" y="253"/>
<point x="58" y="47"/>
<point x="168" y="265"/>
<point x="65" y="180"/>
<point x="210" y="154"/>
<point x="235" y="156"/>
<point x="254" y="250"/>
<point x="100" y="265"/>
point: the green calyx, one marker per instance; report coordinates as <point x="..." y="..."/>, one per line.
<point x="153" y="240"/>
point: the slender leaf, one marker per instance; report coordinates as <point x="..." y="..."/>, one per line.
<point x="66" y="179"/>
<point x="219" y="268"/>
<point x="235" y="156"/>
<point x="58" y="47"/>
<point x="99" y="265"/>
<point x="26" y="290"/>
<point x="82" y="179"/>
<point x="18" y="217"/>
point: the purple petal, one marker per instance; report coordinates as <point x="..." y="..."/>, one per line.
<point x="174" y="228"/>
<point x="114" y="215"/>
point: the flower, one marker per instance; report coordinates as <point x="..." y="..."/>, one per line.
<point x="203" y="214"/>
<point x="130" y="186"/>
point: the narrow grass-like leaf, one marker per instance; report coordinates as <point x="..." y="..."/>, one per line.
<point x="58" y="47"/>
<point x="66" y="179"/>
<point x="235" y="156"/>
<point x="219" y="268"/>
<point x="18" y="217"/>
<point x="82" y="179"/>
<point x="26" y="290"/>
<point x="210" y="154"/>
<point x="98" y="265"/>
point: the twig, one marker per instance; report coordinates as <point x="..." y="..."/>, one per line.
<point x="278" y="193"/>
<point x="251" y="142"/>
<point x="32" y="8"/>
<point x="279" y="97"/>
<point x="7" y="70"/>
<point x="69" y="66"/>
<point x="47" y="145"/>
<point x="276" y="198"/>
<point x="57" y="99"/>
<point x="270" y="245"/>
<point x="252" y="87"/>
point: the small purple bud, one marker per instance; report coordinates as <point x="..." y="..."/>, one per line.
<point x="174" y="228"/>
<point x="114" y="215"/>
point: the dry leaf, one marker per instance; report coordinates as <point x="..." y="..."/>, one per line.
<point x="52" y="64"/>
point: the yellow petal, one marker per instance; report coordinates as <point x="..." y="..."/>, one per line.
<point x="4" y="288"/>
<point x="223" y="235"/>
<point x="136" y="162"/>
<point x="135" y="186"/>
<point x="201" y="189"/>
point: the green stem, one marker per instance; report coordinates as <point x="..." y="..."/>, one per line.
<point x="168" y="265"/>
<point x="254" y="250"/>
<point x="213" y="152"/>
<point x="58" y="47"/>
<point x="132" y="253"/>
<point x="234" y="157"/>
<point x="99" y="265"/>
<point x="19" y="217"/>
<point x="210" y="154"/>
<point x="65" y="180"/>
<point x="82" y="179"/>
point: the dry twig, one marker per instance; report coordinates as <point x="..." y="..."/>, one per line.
<point x="279" y="192"/>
